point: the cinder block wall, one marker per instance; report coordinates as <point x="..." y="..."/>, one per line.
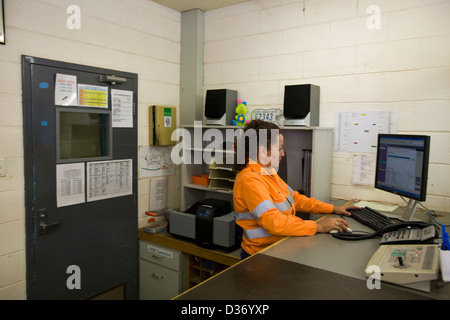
<point x="136" y="36"/>
<point x="258" y="47"/>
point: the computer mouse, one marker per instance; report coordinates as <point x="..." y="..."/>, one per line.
<point x="345" y="231"/>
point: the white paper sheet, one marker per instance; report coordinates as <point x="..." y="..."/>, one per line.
<point x="122" y="108"/>
<point x="158" y="193"/>
<point x="70" y="184"/>
<point x="66" y="90"/>
<point x="376" y="206"/>
<point x="358" y="131"/>
<point x="155" y="162"/>
<point x="364" y="169"/>
<point x="109" y="179"/>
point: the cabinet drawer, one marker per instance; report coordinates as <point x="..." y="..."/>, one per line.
<point x="159" y="254"/>
<point x="157" y="282"/>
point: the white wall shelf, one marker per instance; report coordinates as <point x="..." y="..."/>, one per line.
<point x="296" y="139"/>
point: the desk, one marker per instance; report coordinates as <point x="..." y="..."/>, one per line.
<point x="166" y="239"/>
<point x="165" y="276"/>
<point x="315" y="267"/>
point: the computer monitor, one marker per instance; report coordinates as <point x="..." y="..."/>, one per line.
<point x="402" y="167"/>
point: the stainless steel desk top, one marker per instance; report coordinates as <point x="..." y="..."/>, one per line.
<point x="325" y="252"/>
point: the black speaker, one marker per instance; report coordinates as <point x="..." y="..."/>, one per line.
<point x="220" y="105"/>
<point x="301" y="105"/>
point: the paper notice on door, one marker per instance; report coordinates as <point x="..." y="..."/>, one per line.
<point x="109" y="179"/>
<point x="92" y="96"/>
<point x="70" y="184"/>
<point x="122" y="108"/>
<point x="66" y="90"/>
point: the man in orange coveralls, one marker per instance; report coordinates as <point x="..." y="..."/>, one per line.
<point x="264" y="203"/>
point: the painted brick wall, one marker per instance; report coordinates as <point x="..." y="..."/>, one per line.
<point x="260" y="46"/>
<point x="136" y="36"/>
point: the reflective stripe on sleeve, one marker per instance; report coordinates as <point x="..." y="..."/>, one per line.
<point x="285" y="205"/>
<point x="256" y="233"/>
<point x="263" y="207"/>
<point x="244" y="216"/>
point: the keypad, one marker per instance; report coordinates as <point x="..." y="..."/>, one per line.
<point x="408" y="255"/>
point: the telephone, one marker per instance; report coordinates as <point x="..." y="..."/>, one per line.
<point x="407" y="255"/>
<point x="409" y="265"/>
<point x="409" y="232"/>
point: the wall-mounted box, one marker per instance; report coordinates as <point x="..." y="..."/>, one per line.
<point x="163" y="122"/>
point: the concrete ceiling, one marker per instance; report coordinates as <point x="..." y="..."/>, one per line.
<point x="204" y="5"/>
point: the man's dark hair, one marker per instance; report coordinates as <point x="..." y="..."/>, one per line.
<point x="255" y="127"/>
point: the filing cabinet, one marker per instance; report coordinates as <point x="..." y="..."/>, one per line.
<point x="162" y="271"/>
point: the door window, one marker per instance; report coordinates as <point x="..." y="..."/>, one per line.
<point x="83" y="135"/>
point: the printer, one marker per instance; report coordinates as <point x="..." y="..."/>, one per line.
<point x="209" y="222"/>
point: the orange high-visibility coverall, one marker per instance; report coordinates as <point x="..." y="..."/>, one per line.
<point x="266" y="207"/>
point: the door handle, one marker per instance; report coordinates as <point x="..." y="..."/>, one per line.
<point x="156" y="277"/>
<point x="44" y="226"/>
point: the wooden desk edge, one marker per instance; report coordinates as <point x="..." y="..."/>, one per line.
<point x="190" y="248"/>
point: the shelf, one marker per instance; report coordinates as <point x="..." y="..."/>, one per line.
<point x="201" y="269"/>
<point x="296" y="139"/>
<point x="222" y="175"/>
<point x="223" y="166"/>
<point x="210" y="150"/>
<point x="236" y="127"/>
<point x="221" y="185"/>
<point x="205" y="188"/>
<point x="166" y="239"/>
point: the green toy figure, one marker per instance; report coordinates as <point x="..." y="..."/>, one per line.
<point x="241" y="118"/>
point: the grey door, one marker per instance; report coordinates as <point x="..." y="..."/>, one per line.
<point x="82" y="249"/>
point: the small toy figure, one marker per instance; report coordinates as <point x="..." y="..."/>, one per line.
<point x="241" y="118"/>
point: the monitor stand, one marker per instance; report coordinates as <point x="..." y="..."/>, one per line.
<point x="410" y="210"/>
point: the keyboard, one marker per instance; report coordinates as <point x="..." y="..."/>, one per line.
<point x="371" y="218"/>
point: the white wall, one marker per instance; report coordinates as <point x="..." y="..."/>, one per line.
<point x="257" y="48"/>
<point x="136" y="36"/>
<point x="260" y="46"/>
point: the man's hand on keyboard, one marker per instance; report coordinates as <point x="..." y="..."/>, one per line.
<point x="343" y="209"/>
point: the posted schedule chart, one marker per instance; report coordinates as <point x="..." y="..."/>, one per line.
<point x="109" y="179"/>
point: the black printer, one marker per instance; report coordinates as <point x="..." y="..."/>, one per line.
<point x="210" y="222"/>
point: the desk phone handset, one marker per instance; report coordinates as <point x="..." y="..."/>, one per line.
<point x="409" y="232"/>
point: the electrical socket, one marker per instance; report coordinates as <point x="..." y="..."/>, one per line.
<point x="2" y="167"/>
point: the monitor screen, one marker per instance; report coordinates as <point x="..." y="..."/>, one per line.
<point x="402" y="165"/>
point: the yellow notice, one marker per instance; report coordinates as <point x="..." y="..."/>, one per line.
<point x="92" y="96"/>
